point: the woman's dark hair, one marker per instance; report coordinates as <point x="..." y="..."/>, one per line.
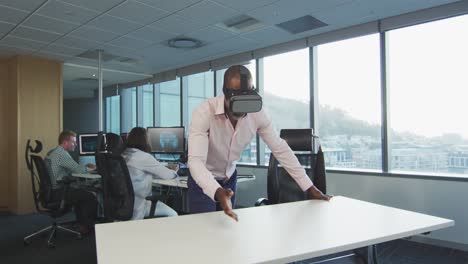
<point x="138" y="138"/>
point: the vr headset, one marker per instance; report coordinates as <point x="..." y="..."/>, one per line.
<point x="246" y="100"/>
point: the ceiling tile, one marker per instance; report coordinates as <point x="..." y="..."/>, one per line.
<point x="151" y="34"/>
<point x="49" y="24"/>
<point x="268" y="35"/>
<point x="22" y="43"/>
<point x="67" y="12"/>
<point x="176" y="25"/>
<point x="34" y="34"/>
<point x="159" y="51"/>
<point x="120" y="51"/>
<point x="98" y="5"/>
<point x="12" y="50"/>
<point x="208" y="13"/>
<point x="11" y="15"/>
<point x="5" y="28"/>
<point x="245" y="5"/>
<point x="170" y="5"/>
<point x="94" y="34"/>
<point x="70" y="51"/>
<point x="138" y="12"/>
<point x="131" y="43"/>
<point x="78" y="42"/>
<point x="53" y="56"/>
<point x="26" y="5"/>
<point x="114" y="24"/>
<point x="285" y="10"/>
<point x="210" y="34"/>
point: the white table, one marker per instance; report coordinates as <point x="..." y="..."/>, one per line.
<point x="267" y="234"/>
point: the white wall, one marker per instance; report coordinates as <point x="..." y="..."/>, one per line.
<point x="440" y="198"/>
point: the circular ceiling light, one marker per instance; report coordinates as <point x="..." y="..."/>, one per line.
<point x="184" y="43"/>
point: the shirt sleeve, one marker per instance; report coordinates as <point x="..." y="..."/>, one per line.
<point x="282" y="151"/>
<point x="198" y="150"/>
<point x="150" y="165"/>
<point x="69" y="164"/>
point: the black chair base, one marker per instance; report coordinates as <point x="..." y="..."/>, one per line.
<point x="52" y="229"/>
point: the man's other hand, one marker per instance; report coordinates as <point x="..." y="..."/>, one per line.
<point x="316" y="194"/>
<point x="223" y="196"/>
<point x="91" y="167"/>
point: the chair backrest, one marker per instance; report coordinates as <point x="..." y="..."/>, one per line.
<point x="40" y="180"/>
<point x="117" y="188"/>
<point x="115" y="144"/>
<point x="281" y="186"/>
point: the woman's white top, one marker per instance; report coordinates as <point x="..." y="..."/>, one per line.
<point x="143" y="168"/>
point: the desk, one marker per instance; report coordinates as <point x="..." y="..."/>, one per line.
<point x="267" y="234"/>
<point x="92" y="176"/>
<point x="181" y="182"/>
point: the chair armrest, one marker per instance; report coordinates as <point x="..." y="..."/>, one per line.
<point x="262" y="201"/>
<point x="154" y="200"/>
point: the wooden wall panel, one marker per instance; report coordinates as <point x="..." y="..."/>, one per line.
<point x="4" y="173"/>
<point x="39" y="116"/>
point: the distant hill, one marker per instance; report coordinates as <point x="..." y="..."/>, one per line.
<point x="295" y="114"/>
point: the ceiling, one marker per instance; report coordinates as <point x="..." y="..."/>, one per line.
<point x="137" y="31"/>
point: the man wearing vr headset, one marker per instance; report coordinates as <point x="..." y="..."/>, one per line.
<point x="220" y="130"/>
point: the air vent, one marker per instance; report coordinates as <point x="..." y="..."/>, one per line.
<point x="108" y="57"/>
<point x="301" y="24"/>
<point x="241" y="24"/>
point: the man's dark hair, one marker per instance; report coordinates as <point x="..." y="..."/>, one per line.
<point x="235" y="72"/>
<point x="65" y="135"/>
<point x="138" y="138"/>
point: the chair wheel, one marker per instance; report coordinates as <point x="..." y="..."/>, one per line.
<point x="26" y="242"/>
<point x="79" y="237"/>
<point x="50" y="245"/>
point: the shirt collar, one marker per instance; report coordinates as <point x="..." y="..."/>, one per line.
<point x="219" y="105"/>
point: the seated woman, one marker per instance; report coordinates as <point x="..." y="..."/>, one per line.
<point x="143" y="167"/>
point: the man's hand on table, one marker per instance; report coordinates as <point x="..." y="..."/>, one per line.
<point x="223" y="196"/>
<point x="316" y="194"/>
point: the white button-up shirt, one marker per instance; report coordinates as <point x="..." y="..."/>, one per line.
<point x="214" y="146"/>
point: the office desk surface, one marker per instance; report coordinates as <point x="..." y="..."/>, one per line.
<point x="270" y="234"/>
<point x="181" y="182"/>
<point x="93" y="176"/>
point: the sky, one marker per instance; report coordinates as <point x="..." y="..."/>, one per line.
<point x="427" y="77"/>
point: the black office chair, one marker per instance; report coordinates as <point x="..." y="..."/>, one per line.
<point x="281" y="187"/>
<point x="117" y="188"/>
<point x="48" y="201"/>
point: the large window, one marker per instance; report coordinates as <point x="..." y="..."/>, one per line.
<point x="428" y="93"/>
<point x="113" y="114"/>
<point x="348" y="80"/>
<point x="129" y="109"/>
<point x="249" y="154"/>
<point x="198" y="88"/>
<point x="286" y="92"/>
<point x="167" y="110"/>
<point x="145" y="105"/>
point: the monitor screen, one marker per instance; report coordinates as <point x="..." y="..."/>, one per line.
<point x="87" y="143"/>
<point x="166" y="139"/>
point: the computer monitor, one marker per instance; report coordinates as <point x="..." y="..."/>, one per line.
<point x="168" y="140"/>
<point x="88" y="142"/>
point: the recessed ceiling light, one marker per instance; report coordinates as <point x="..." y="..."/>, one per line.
<point x="184" y="43"/>
<point x="94" y="75"/>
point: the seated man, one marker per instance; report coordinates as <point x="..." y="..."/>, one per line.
<point x="61" y="164"/>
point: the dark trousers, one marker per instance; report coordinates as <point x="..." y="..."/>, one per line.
<point x="201" y="203"/>
<point x="84" y="204"/>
